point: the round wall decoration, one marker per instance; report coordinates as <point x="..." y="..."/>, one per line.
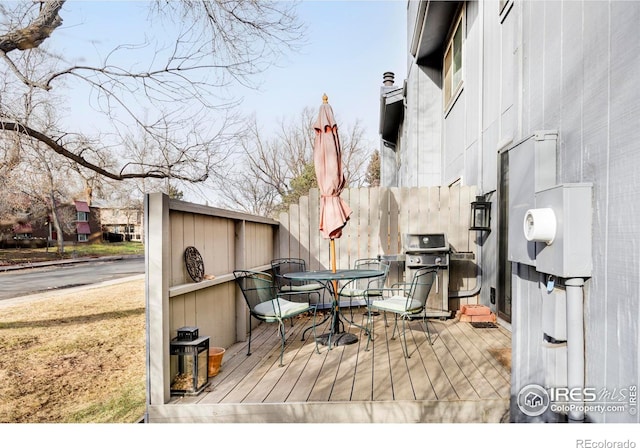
<point x="194" y="263"/>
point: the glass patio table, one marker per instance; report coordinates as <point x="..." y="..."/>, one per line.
<point x="335" y="336"/>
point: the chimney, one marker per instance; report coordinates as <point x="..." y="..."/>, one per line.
<point x="387" y="79"/>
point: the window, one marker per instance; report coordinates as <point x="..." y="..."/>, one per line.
<point x="83" y="217"/>
<point x="453" y="64"/>
<point x="82" y="237"/>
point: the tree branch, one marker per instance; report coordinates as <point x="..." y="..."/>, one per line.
<point x="32" y="133"/>
<point x="36" y="32"/>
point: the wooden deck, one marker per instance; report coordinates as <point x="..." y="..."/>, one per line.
<point x="460" y="378"/>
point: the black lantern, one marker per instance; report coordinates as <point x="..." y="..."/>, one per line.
<point x="480" y="214"/>
<point x="189" y="362"/>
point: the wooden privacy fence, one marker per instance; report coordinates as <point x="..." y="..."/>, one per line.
<point x="226" y="240"/>
<point x="380" y="219"/>
<point x="229" y="240"/>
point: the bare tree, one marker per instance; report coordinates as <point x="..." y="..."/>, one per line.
<point x="173" y="93"/>
<point x="273" y="172"/>
<point x="47" y="180"/>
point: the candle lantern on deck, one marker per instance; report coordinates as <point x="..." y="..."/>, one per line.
<point x="189" y="362"/>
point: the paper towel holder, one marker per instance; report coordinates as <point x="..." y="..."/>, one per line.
<point x="540" y="225"/>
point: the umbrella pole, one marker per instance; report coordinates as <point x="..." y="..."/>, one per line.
<point x="332" y="256"/>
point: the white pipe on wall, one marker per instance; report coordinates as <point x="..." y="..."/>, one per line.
<point x="575" y="341"/>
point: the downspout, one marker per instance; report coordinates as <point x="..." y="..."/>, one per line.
<point x="575" y="343"/>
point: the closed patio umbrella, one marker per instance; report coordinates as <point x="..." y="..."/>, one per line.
<point x="327" y="158"/>
<point x="334" y="211"/>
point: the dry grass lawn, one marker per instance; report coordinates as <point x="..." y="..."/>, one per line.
<point x="75" y="356"/>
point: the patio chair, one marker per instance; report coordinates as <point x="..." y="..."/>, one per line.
<point x="405" y="301"/>
<point x="266" y="305"/>
<point x="366" y="289"/>
<point x="285" y="286"/>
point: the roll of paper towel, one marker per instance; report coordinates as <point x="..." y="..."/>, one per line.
<point x="540" y="225"/>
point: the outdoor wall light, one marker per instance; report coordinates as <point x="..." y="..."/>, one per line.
<point x="189" y="362"/>
<point x="480" y="214"/>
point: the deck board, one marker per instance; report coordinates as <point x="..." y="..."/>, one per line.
<point x="457" y="369"/>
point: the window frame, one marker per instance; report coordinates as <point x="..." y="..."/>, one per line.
<point x="82" y="216"/>
<point x="450" y="93"/>
<point x="83" y="237"/>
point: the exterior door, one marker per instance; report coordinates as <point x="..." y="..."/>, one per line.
<point x="504" y="265"/>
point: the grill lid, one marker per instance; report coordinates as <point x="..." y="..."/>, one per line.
<point x="425" y="242"/>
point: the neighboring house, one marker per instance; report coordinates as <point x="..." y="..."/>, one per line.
<point x="536" y="104"/>
<point x="79" y="222"/>
<point x="125" y="222"/>
<point x="83" y="229"/>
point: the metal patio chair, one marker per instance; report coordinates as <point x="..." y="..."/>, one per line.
<point x="406" y="300"/>
<point x="366" y="289"/>
<point x="285" y="286"/>
<point x="266" y="305"/>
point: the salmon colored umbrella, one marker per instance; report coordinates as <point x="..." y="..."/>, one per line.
<point x="327" y="158"/>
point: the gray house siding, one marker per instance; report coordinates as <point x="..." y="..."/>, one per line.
<point x="580" y="72"/>
<point x="566" y="66"/>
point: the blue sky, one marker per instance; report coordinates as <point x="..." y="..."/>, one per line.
<point x="350" y="44"/>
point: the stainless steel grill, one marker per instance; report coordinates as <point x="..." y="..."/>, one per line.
<point x="430" y="250"/>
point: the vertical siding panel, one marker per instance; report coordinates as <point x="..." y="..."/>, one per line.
<point x="209" y="255"/>
<point x="294" y="241"/>
<point x="250" y="237"/>
<point x="395" y="238"/>
<point x="177" y="247"/>
<point x="190" y="308"/>
<point x="443" y="207"/>
<point x="305" y="231"/>
<point x="383" y="227"/>
<point x="188" y="240"/>
<point x="434" y="209"/>
<point x="403" y="213"/>
<point x="363" y="224"/>
<point x="454" y="227"/>
<point x="375" y="248"/>
<point x="345" y="244"/>
<point x="206" y="309"/>
<point x="314" y="232"/>
<point x="422" y="198"/>
<point x="285" y="235"/>
<point x="396" y="269"/>
<point x="178" y="317"/>
<point x="230" y="244"/>
<point x="552" y="65"/>
<point x="411" y="210"/>
<point x="198" y="234"/>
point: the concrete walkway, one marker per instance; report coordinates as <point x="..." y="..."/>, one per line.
<point x="40" y="264"/>
<point x="57" y="292"/>
<point x="65" y="291"/>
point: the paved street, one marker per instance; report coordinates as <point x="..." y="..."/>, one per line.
<point x="30" y="281"/>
